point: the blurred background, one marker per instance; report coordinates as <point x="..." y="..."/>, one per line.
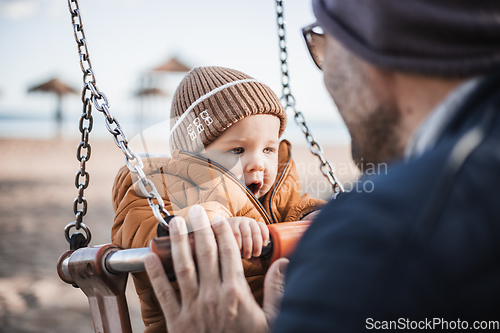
<point x="140" y="50"/>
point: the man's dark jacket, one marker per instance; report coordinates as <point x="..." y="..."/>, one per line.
<point x="424" y="244"/>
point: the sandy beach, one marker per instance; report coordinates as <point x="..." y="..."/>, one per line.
<point x="36" y="199"/>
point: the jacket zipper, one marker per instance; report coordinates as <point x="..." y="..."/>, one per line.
<point x="278" y="183"/>
<point x="252" y="197"/>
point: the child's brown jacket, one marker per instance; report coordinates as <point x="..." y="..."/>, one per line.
<point x="185" y="180"/>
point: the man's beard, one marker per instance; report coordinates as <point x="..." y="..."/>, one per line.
<point x="375" y="140"/>
<point x="373" y="123"/>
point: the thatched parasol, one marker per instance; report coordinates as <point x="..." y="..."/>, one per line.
<point x="172" y="65"/>
<point x="55" y="86"/>
<point x="150" y="92"/>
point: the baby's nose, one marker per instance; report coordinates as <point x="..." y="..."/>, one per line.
<point x="255" y="164"/>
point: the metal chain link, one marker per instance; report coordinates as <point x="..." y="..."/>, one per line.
<point x="288" y="102"/>
<point x="92" y="96"/>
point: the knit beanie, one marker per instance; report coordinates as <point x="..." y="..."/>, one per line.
<point x="434" y="37"/>
<point x="211" y="99"/>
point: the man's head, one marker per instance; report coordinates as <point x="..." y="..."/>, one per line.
<point x="234" y="118"/>
<point x="367" y="106"/>
<point x="387" y="64"/>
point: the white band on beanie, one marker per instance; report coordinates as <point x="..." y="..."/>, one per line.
<point x="202" y="98"/>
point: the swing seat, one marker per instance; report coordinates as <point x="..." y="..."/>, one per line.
<point x="101" y="272"/>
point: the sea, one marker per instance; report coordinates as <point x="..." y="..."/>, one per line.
<point x="325" y="132"/>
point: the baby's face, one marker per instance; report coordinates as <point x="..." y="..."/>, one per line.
<point x="254" y="141"/>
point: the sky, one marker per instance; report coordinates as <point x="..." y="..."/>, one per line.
<point x="128" y="38"/>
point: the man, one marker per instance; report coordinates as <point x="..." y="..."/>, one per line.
<point x="418" y="84"/>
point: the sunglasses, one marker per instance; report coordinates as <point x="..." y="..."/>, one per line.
<point x="315" y="41"/>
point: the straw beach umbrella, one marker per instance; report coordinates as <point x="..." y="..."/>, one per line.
<point x="150" y="92"/>
<point x="172" y="65"/>
<point x="154" y="75"/>
<point x="153" y="78"/>
<point x="59" y="88"/>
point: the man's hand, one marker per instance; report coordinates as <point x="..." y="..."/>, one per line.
<point x="250" y="236"/>
<point x="213" y="300"/>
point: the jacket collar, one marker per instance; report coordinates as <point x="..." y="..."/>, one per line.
<point x="433" y="126"/>
<point x="453" y="115"/>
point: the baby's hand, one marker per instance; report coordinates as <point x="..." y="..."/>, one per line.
<point x="250" y="235"/>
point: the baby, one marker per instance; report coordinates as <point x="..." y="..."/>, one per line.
<point x="227" y="157"/>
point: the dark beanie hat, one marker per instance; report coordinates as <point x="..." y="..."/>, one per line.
<point x="436" y="37"/>
<point x="211" y="99"/>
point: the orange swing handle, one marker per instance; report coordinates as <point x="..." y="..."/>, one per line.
<point x="284" y="238"/>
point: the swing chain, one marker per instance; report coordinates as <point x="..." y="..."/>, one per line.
<point x="288" y="101"/>
<point x="92" y="96"/>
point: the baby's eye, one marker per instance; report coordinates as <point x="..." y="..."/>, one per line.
<point x="269" y="150"/>
<point x="237" y="151"/>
